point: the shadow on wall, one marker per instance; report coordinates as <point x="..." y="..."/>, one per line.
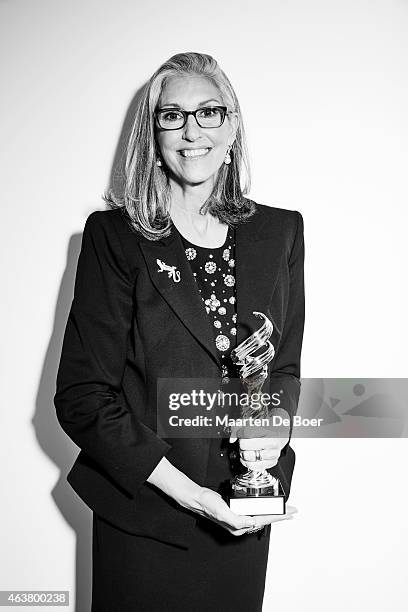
<point x="116" y="179"/>
<point x="51" y="438"/>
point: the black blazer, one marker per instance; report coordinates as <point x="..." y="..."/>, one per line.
<point x="129" y="325"/>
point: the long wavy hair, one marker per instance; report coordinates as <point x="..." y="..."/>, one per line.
<point x="146" y="188"/>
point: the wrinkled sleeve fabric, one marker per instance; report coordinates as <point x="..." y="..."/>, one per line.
<point x="285" y="374"/>
<point x="92" y="363"/>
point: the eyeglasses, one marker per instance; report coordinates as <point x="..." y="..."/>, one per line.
<point x="206" y="117"/>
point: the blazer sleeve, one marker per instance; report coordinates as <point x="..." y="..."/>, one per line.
<point x="285" y="375"/>
<point x="92" y="363"/>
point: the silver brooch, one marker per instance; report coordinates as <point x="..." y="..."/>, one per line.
<point x="222" y="342"/>
<point x="171" y="270"/>
<point x="190" y="253"/>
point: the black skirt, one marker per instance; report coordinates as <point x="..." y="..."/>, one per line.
<point x="133" y="573"/>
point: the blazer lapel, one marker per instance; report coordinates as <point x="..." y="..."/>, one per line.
<point x="256" y="273"/>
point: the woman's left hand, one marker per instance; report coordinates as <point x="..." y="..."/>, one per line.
<point x="260" y="453"/>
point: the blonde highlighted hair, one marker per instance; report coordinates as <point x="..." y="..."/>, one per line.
<point x="146" y="190"/>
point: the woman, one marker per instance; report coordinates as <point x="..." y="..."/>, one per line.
<point x="166" y="285"/>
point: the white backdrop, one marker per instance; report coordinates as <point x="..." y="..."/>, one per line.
<point x="324" y="92"/>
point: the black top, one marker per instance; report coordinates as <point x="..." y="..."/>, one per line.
<point x="214" y="273"/>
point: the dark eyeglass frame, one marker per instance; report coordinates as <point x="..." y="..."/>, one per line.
<point x="224" y="111"/>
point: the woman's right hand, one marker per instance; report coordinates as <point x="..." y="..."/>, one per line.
<point x="211" y="505"/>
<point x="208" y="503"/>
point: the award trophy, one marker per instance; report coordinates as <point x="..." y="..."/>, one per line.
<point x="255" y="492"/>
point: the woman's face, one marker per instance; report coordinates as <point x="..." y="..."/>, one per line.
<point x="190" y="93"/>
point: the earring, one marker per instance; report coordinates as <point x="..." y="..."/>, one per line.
<point x="158" y="162"/>
<point x="227" y="159"/>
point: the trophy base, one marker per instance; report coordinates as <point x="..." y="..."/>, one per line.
<point x="246" y="498"/>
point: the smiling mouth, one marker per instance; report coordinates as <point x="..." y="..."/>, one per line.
<point x="190" y="153"/>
